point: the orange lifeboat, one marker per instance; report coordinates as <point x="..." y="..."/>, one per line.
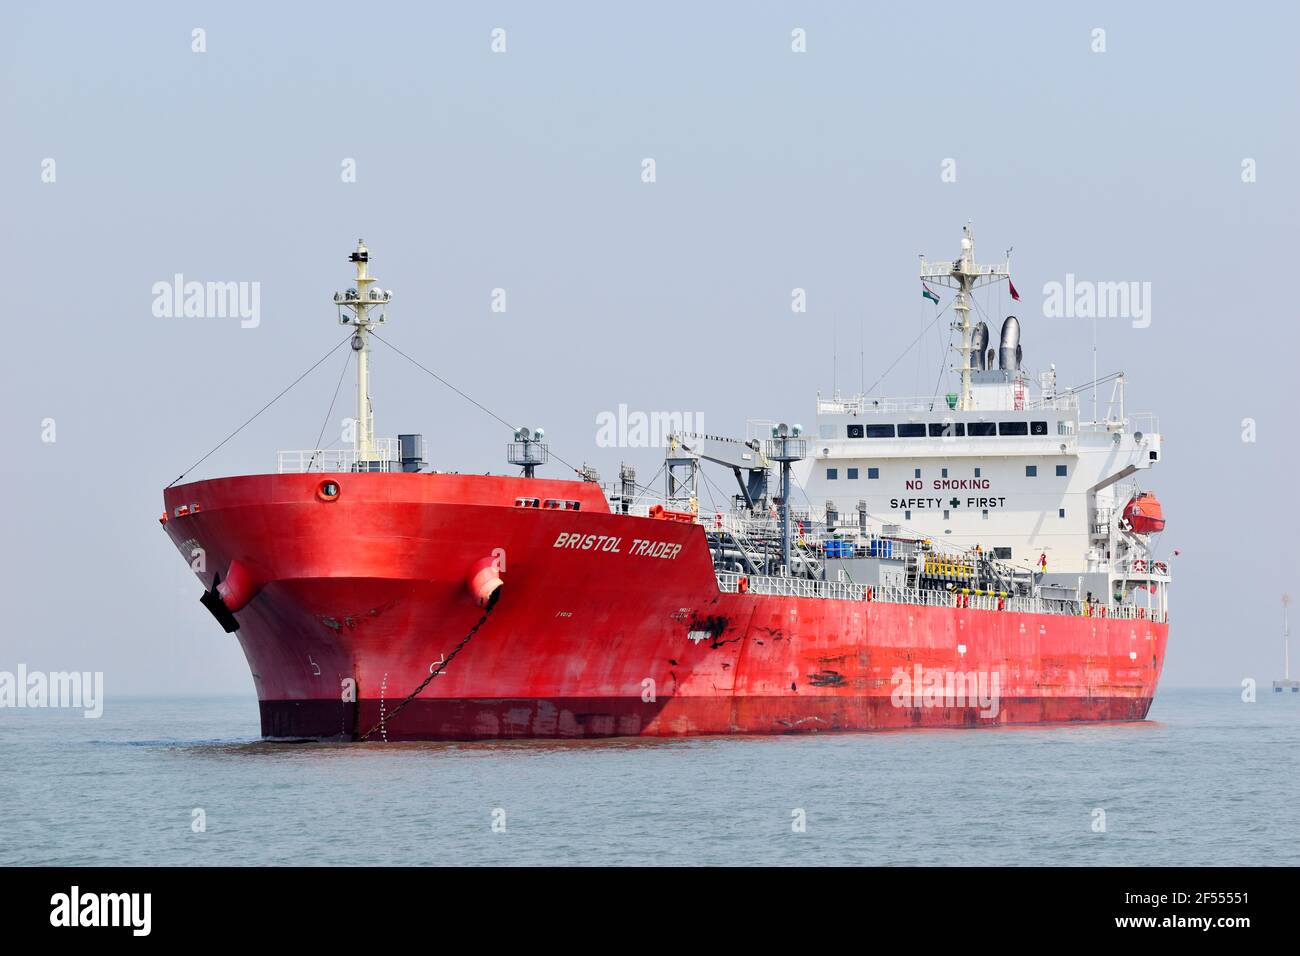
<point x="1144" y="514"/>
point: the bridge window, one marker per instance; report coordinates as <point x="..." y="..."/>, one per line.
<point x="981" y="429"/>
<point x="832" y="474"/>
<point x="880" y="431"/>
<point x="947" y="429"/>
<point x="853" y="474"/>
<point x="911" y="430"/>
<point x="855" y="431"/>
<point x="1013" y="428"/>
<point x="1031" y="471"/>
<point x="873" y="472"/>
<point x="1060" y="471"/>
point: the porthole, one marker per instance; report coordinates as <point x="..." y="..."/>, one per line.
<point x="328" y="490"/>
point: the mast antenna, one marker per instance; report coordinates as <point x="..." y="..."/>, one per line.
<point x="862" y="359"/>
<point x="964" y="275"/>
<point x="835" y="359"/>
<point x="361" y="307"/>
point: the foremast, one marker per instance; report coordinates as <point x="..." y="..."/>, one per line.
<point x="965" y="275"/>
<point x="361" y="307"/>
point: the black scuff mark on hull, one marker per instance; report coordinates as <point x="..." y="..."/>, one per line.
<point x="335" y="625"/>
<point x="376" y="611"/>
<point x="826" y="678"/>
<point x="715" y="627"/>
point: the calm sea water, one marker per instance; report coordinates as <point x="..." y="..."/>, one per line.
<point x="1207" y="780"/>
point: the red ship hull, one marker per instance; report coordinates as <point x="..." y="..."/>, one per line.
<point x="352" y="601"/>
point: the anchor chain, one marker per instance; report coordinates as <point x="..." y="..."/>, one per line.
<point x="383" y="719"/>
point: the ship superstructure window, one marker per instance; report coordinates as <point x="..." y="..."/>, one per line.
<point x="1002" y="554"/>
<point x="947" y="429"/>
<point x="873" y="472"/>
<point x="985" y="514"/>
<point x="832" y="474"/>
<point x="907" y="516"/>
<point x="944" y="473"/>
<point x="1013" y="428"/>
<point x="1031" y="471"/>
<point x="855" y="431"/>
<point x="1060" y="512"/>
<point x="1038" y="428"/>
<point x="853" y="474"/>
<point x="945" y="515"/>
<point x="880" y="431"/>
<point x="977" y="472"/>
<point x="916" y="472"/>
<point x="1060" y="471"/>
<point x="981" y="429"/>
<point x="911" y="430"/>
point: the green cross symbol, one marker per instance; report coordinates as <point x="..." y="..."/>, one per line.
<point x="955" y="502"/>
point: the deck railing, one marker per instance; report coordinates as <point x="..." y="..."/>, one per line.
<point x="729" y="582"/>
<point x="385" y="456"/>
<point x="863" y="405"/>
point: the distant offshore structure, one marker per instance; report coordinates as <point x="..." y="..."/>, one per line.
<point x="1286" y="683"/>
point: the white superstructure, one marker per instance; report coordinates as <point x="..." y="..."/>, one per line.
<point x="1007" y="463"/>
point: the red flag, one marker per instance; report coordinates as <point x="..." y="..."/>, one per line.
<point x="1014" y="294"/>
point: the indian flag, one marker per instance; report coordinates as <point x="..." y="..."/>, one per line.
<point x="928" y="293"/>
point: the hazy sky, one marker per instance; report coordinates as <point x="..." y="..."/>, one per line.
<point x="523" y="171"/>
